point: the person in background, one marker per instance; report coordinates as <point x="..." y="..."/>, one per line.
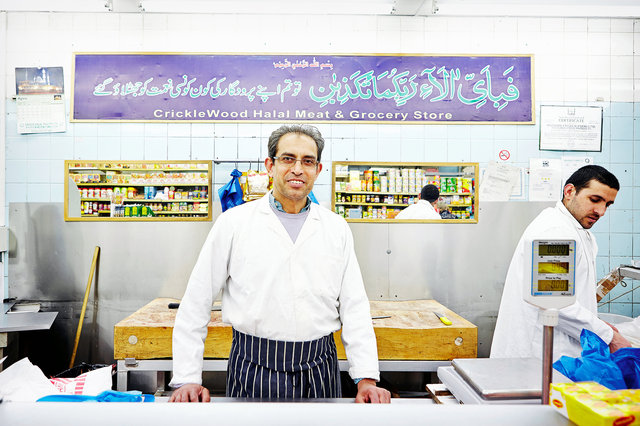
<point x="289" y="279"/>
<point x="425" y="207"/>
<point x="586" y="196"/>
<point x="443" y="208"/>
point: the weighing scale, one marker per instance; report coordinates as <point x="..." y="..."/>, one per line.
<point x="549" y="284"/>
<point x="552" y="287"/>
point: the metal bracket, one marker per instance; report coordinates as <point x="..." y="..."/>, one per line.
<point x="130" y="362"/>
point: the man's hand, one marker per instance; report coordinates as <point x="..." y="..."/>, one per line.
<point x="612" y="326"/>
<point x="369" y="392"/>
<point x="190" y="392"/>
<point x="618" y="342"/>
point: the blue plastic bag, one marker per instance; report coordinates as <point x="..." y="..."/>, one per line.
<point x="620" y="370"/>
<point x="231" y="194"/>
<point x="628" y="359"/>
<point x="106" y="396"/>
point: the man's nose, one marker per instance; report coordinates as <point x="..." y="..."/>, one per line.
<point x="600" y="209"/>
<point x="297" y="167"/>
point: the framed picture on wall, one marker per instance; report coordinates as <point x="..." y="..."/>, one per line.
<point x="571" y="128"/>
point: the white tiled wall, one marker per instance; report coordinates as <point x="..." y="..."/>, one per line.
<point x="577" y="61"/>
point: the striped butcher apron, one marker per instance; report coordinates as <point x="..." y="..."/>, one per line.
<point x="275" y="369"/>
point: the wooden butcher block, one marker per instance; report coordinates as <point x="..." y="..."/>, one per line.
<point x="412" y="332"/>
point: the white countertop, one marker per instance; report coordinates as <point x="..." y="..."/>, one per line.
<point x="276" y="413"/>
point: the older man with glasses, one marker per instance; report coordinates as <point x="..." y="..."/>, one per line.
<point x="289" y="278"/>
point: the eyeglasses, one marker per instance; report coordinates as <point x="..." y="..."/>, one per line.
<point x="306" y="162"/>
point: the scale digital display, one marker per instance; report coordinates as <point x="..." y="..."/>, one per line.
<point x="553" y="249"/>
<point x="553" y="267"/>
<point x="553" y="285"/>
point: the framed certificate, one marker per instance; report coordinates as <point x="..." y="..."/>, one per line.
<point x="571" y="128"/>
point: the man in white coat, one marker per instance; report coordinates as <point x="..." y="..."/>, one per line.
<point x="425" y="207"/>
<point x="289" y="278"/>
<point x="518" y="333"/>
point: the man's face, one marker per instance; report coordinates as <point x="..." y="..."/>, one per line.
<point x="590" y="204"/>
<point x="293" y="182"/>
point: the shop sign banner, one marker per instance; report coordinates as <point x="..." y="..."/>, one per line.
<point x="318" y="88"/>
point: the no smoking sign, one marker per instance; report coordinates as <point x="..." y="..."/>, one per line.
<point x="504" y="155"/>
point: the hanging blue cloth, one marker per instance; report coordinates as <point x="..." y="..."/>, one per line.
<point x="231" y="194"/>
<point x="313" y="198"/>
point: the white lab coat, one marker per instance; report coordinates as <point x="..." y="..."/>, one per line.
<point x="631" y="331"/>
<point x="276" y="289"/>
<point x="420" y="210"/>
<point x="518" y="332"/>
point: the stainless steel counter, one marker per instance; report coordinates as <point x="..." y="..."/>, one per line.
<point x="26" y="321"/>
<point x="229" y="413"/>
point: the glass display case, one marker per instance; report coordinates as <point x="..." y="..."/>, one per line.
<point x="378" y="191"/>
<point x="137" y="190"/>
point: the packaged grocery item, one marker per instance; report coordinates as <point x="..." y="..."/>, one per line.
<point x="607" y="283"/>
<point x="467" y="185"/>
<point x="257" y="185"/>
<point x="589" y="403"/>
<point x="384" y="184"/>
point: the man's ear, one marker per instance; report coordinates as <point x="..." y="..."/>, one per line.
<point x="268" y="164"/>
<point x="568" y="190"/>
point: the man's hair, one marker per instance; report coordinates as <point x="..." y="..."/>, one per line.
<point x="430" y="193"/>
<point x="584" y="175"/>
<point x="302" y="129"/>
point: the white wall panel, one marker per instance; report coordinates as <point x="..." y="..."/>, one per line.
<point x="577" y="60"/>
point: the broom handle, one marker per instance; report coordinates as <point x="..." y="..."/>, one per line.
<point x="84" y="304"/>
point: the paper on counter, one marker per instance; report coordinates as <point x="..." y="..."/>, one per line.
<point x="24" y="382"/>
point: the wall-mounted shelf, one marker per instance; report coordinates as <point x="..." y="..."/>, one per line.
<point x="137" y="191"/>
<point x="378" y="191"/>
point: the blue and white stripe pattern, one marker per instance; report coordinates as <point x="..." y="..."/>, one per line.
<point x="274" y="369"/>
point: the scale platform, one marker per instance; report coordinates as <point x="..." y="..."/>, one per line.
<point x="496" y="380"/>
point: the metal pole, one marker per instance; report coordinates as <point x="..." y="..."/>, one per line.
<point x="547" y="362"/>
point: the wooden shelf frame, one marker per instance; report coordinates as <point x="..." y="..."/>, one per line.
<point x="174" y="166"/>
<point x="335" y="177"/>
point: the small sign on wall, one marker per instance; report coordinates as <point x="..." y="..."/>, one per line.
<point x="571" y="128"/>
<point x="40" y="100"/>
